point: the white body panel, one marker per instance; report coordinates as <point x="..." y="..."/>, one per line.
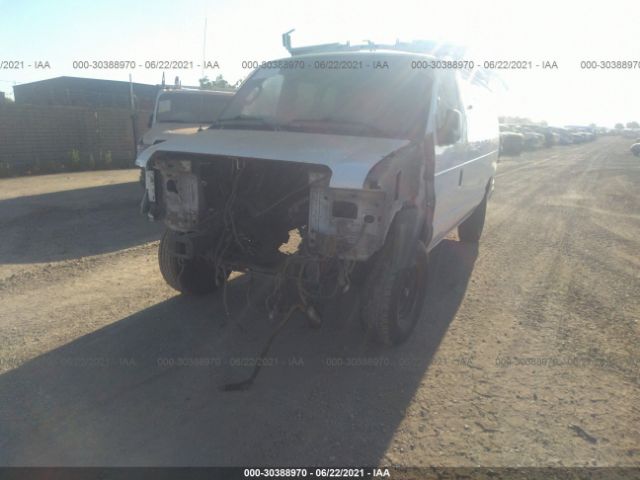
<point x="163" y="131"/>
<point x="464" y="170"/>
<point x="350" y="158"/>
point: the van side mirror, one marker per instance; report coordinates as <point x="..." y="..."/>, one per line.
<point x="150" y="122"/>
<point x="450" y="133"/>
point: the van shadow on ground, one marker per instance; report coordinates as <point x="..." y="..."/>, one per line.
<point x="146" y="389"/>
<point x="74" y="223"/>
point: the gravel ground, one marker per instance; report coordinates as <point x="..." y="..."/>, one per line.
<point x="527" y="352"/>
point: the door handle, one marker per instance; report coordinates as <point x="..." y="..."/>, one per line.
<point x="460" y="177"/>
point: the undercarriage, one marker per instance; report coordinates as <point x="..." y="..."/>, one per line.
<point x="228" y="214"/>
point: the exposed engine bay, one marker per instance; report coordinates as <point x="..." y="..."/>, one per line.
<point x="239" y="212"/>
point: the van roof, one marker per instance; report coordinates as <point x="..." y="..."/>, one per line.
<point x="438" y="49"/>
<point x="358" y="53"/>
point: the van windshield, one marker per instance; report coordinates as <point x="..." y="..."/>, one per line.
<point x="190" y="107"/>
<point x="366" y="101"/>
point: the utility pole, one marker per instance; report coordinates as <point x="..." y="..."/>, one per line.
<point x="134" y="115"/>
<point x="204" y="47"/>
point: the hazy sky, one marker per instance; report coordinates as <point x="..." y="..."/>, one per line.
<point x="567" y="32"/>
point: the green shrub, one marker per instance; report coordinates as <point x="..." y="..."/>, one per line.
<point x="90" y="163"/>
<point x="74" y="159"/>
<point x="5" y="169"/>
<point x="108" y="159"/>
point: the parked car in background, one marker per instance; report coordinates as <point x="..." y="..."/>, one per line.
<point x="577" y="137"/>
<point x="630" y="132"/>
<point x="531" y="139"/>
<point x="563" y="136"/>
<point x="550" y="138"/>
<point x="181" y="111"/>
<point x="581" y="134"/>
<point x="511" y="143"/>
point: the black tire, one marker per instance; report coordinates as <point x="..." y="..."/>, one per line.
<point x="141" y="178"/>
<point x="470" y="230"/>
<point x="389" y="313"/>
<point x="193" y="276"/>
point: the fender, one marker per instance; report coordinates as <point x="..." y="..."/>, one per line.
<point x="404" y="236"/>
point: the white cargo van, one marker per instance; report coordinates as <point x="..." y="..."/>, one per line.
<point x="372" y="154"/>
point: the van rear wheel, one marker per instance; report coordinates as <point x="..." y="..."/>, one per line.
<point x="470" y="230"/>
<point x="190" y="276"/>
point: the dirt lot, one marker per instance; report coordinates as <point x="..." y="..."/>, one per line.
<point x="527" y="352"/>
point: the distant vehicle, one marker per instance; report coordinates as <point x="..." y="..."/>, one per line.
<point x="511" y="143"/>
<point x="532" y="140"/>
<point x="550" y="138"/>
<point x="563" y="136"/>
<point x="373" y="166"/>
<point x="181" y="111"/>
<point x="578" y="136"/>
<point x="630" y="132"/>
<point x="582" y="134"/>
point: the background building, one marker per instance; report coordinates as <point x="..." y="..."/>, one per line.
<point x="71" y="123"/>
<point x="85" y="92"/>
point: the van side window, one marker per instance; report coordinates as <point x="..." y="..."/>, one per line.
<point x="448" y="99"/>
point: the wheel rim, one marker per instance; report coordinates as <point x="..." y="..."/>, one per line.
<point x="409" y="282"/>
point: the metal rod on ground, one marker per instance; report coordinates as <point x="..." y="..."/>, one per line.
<point x="244" y="384"/>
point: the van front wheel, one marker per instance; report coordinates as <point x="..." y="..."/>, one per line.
<point x="393" y="298"/>
<point x="190" y="276"/>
